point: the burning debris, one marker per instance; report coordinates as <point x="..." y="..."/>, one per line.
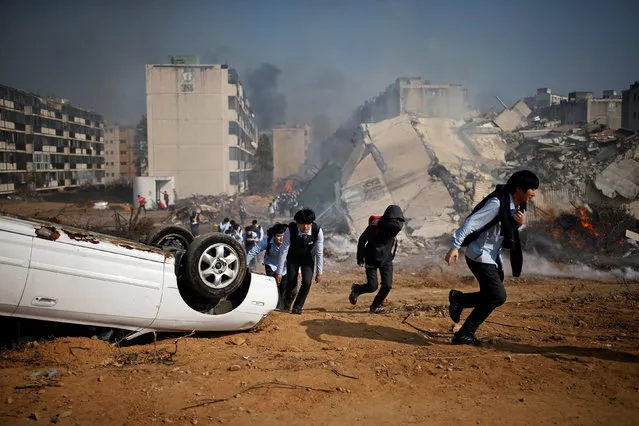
<point x="591" y="234"/>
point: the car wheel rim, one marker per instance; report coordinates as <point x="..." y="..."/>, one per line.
<point x="173" y="241"/>
<point x="219" y="266"/>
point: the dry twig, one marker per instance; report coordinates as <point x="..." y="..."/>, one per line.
<point x="337" y="373"/>
<point x="271" y="384"/>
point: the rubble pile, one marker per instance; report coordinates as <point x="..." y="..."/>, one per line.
<point x="213" y="208"/>
<point x="562" y="157"/>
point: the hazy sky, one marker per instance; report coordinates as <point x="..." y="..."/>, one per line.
<point x="333" y="55"/>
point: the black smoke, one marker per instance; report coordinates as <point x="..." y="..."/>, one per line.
<point x="268" y="102"/>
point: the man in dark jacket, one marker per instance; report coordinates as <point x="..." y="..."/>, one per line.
<point x="376" y="250"/>
<point x="493" y="224"/>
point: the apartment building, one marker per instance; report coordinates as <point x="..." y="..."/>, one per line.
<point x="47" y="143"/>
<point x="630" y="107"/>
<point x="111" y="153"/>
<point x="584" y="108"/>
<point x="414" y="95"/>
<point x="201" y="128"/>
<point x="126" y="150"/>
<point x="289" y="150"/>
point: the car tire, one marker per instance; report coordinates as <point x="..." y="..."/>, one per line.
<point x="172" y="238"/>
<point x="215" y="266"/>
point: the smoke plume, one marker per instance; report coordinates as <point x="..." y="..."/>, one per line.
<point x="267" y="101"/>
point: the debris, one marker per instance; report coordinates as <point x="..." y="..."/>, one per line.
<point x="235" y="367"/>
<point x="236" y="340"/>
<point x="9" y="400"/>
<point x="35" y="416"/>
<point x="48" y="373"/>
<point x="270" y="384"/>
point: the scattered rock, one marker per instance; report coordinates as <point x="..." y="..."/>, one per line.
<point x="35" y="416"/>
<point x="509" y="358"/>
<point x="66" y="413"/>
<point x="100" y="379"/>
<point x="9" y="400"/>
<point x="235" y="367"/>
<point x="236" y="340"/>
<point x="193" y="421"/>
<point x="582" y="324"/>
<point x="439" y="366"/>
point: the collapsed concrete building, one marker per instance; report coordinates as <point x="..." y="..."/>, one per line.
<point x="437" y="167"/>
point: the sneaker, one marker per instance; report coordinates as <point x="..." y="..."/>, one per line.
<point x="466" y="339"/>
<point x="353" y="296"/>
<point x="296" y="311"/>
<point x="378" y="310"/>
<point x="454" y="309"/>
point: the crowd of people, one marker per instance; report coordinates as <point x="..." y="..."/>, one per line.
<point x="285" y="203"/>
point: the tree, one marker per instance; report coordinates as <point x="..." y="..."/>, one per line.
<point x="261" y="177"/>
<point x="141" y="147"/>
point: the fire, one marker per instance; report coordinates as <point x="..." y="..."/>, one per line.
<point x="586" y="221"/>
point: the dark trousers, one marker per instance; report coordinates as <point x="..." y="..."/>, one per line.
<point x="290" y="292"/>
<point x="491" y="294"/>
<point x="280" y="287"/>
<point x="386" y="273"/>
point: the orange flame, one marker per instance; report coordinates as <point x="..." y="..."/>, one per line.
<point x="586" y="221"/>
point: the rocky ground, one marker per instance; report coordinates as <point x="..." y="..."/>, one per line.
<point x="558" y="352"/>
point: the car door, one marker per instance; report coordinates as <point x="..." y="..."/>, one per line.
<point x="15" y="254"/>
<point x="92" y="279"/>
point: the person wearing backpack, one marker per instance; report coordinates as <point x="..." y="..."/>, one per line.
<point x="271" y="245"/>
<point x="302" y="247"/>
<point x="494" y="223"/>
<point x="376" y="249"/>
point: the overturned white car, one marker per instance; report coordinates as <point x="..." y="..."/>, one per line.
<point x="57" y="273"/>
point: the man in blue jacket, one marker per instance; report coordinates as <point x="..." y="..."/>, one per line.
<point x="271" y="246"/>
<point x="493" y="224"/>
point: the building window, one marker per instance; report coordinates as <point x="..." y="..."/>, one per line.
<point x="232" y="102"/>
<point x="122" y="141"/>
<point x="634" y="97"/>
<point x="234" y="178"/>
<point x="121" y="153"/>
<point x="634" y="115"/>
<point x="123" y="163"/>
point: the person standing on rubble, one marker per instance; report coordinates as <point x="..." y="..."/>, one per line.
<point x="194" y="219"/>
<point x="243" y="214"/>
<point x="376" y="249"/>
<point x="166" y="199"/>
<point x="302" y="246"/>
<point x="494" y="223"/>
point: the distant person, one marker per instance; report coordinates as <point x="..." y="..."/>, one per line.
<point x="376" y="249"/>
<point x="250" y="240"/>
<point x="259" y="231"/>
<point x="236" y="233"/>
<point x="141" y="204"/>
<point x="271" y="211"/>
<point x="243" y="214"/>
<point x="224" y="226"/>
<point x="302" y="247"/>
<point x="166" y="199"/>
<point x="494" y="223"/>
<point x="194" y="220"/>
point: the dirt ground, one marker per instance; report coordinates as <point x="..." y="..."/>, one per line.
<point x="558" y="352"/>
